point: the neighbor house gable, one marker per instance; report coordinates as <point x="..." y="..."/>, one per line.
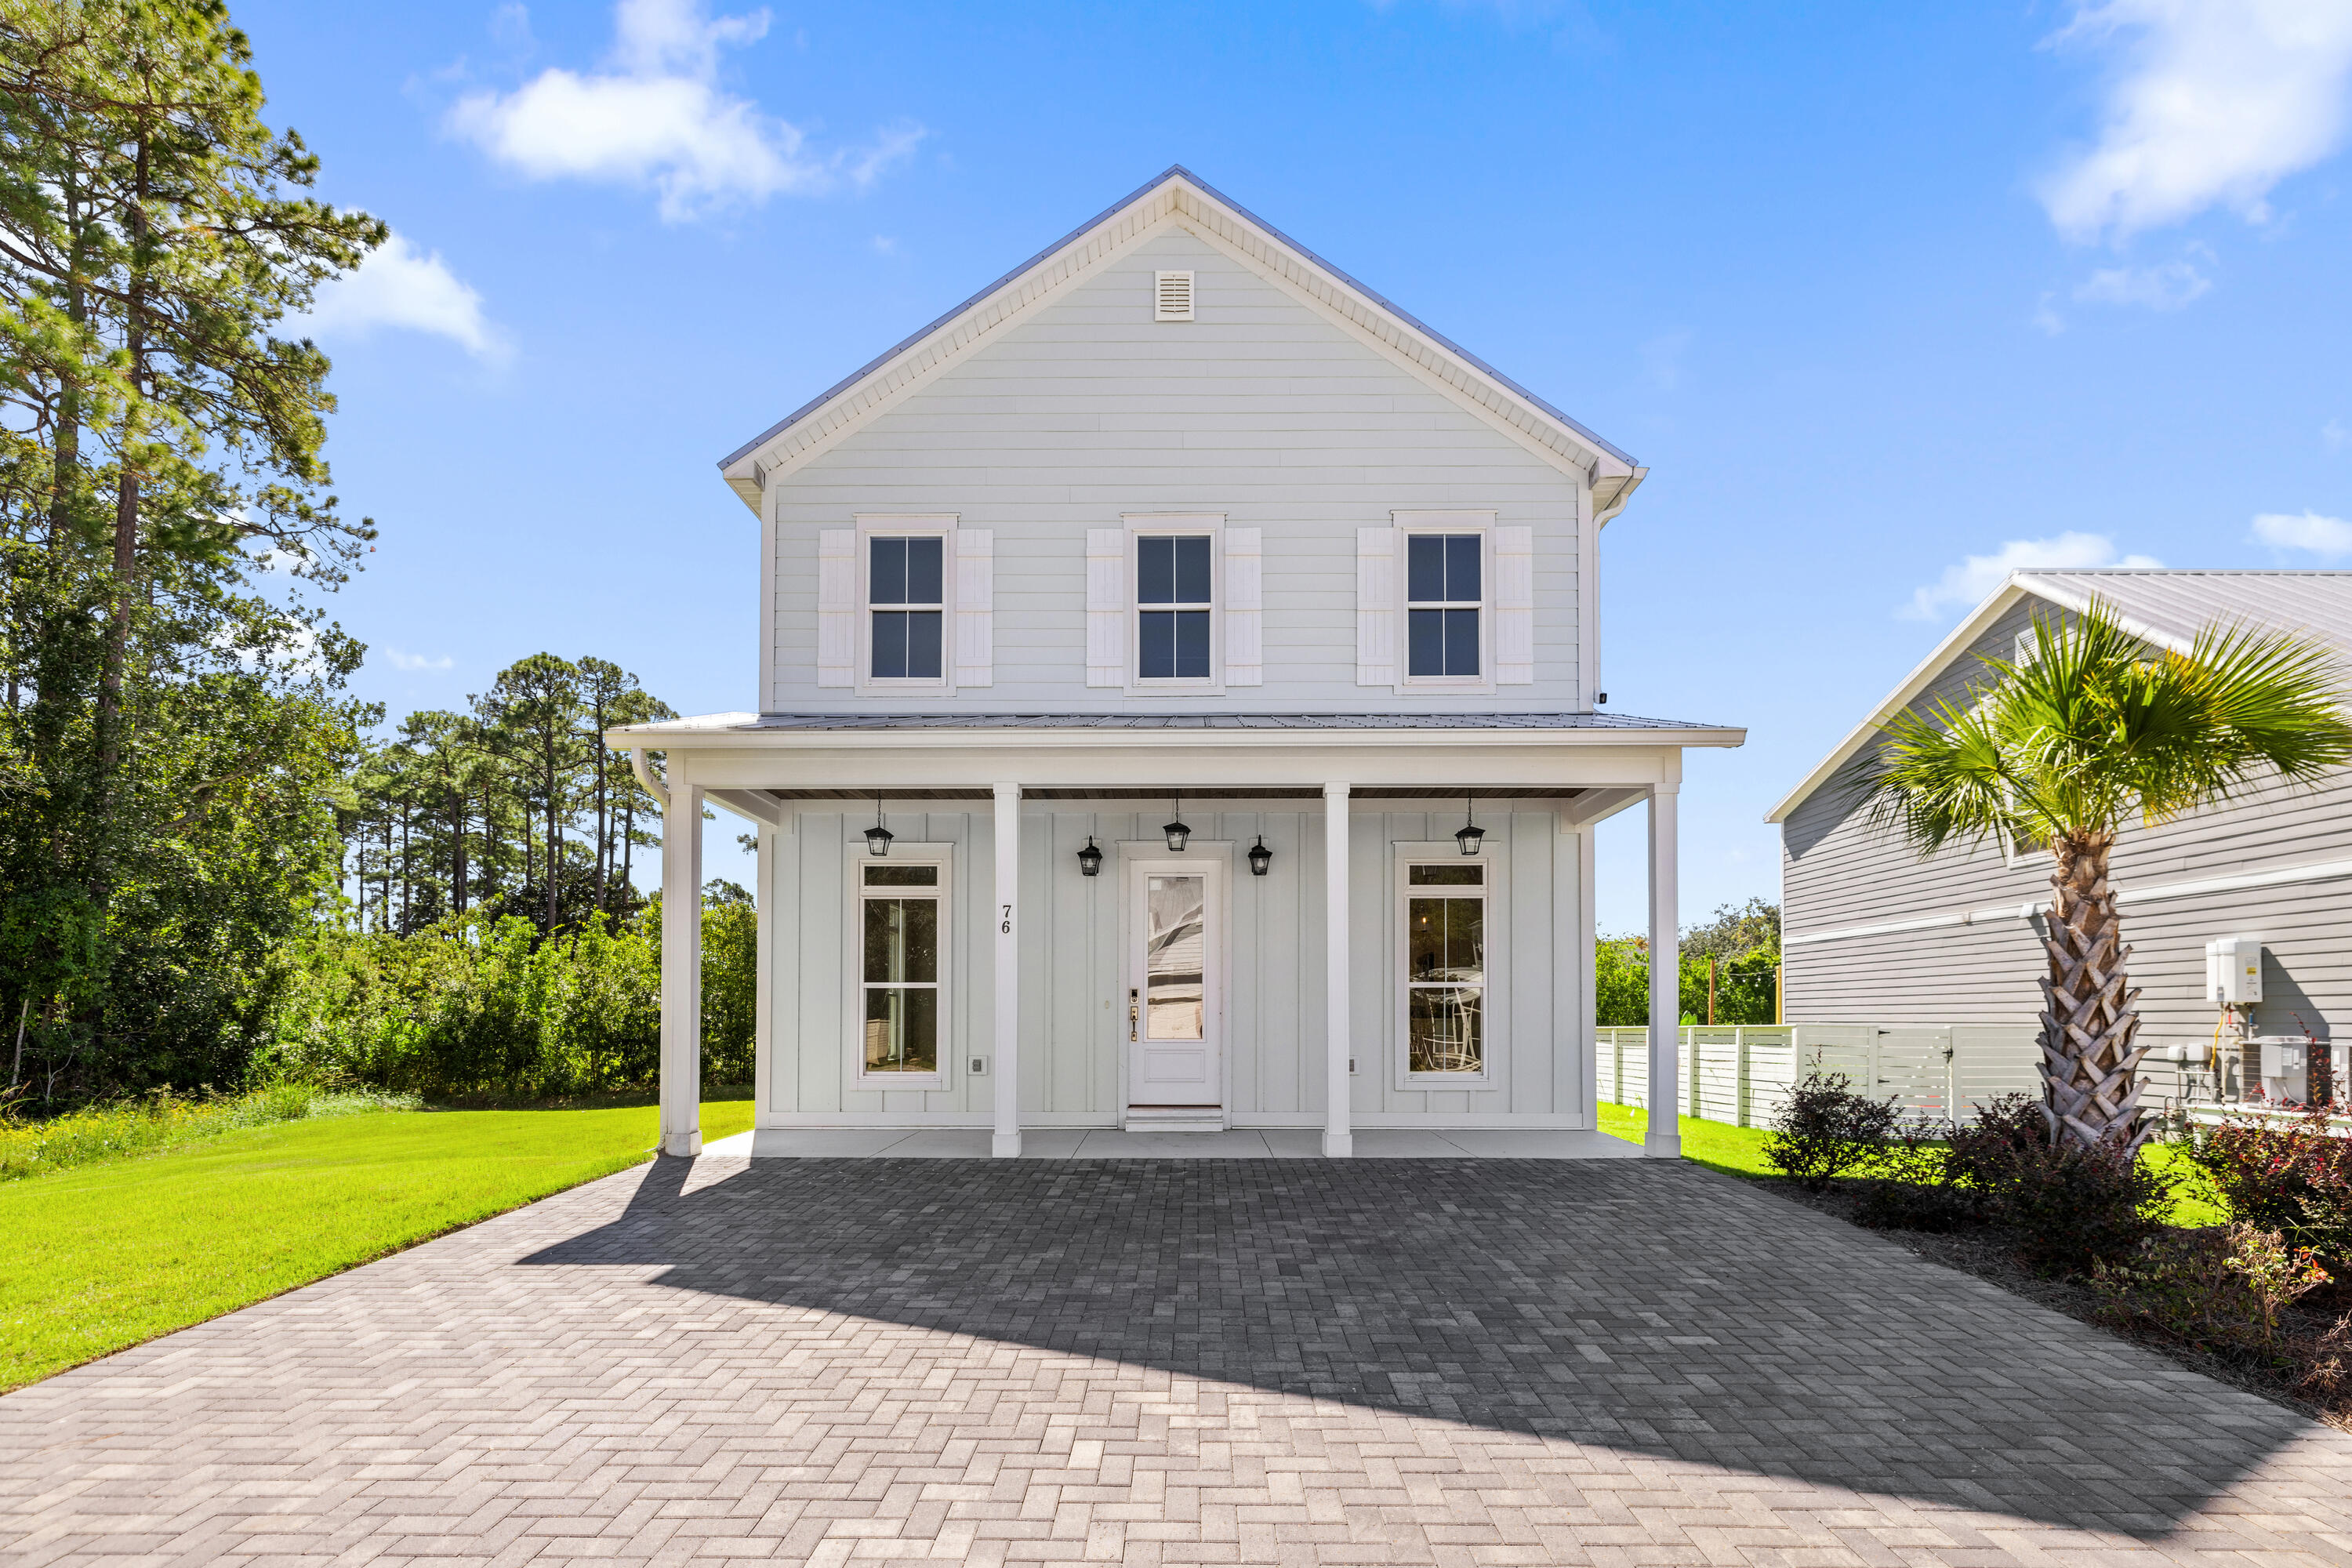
<point x="1176" y="199"/>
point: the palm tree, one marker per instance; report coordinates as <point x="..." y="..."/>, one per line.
<point x="2058" y="750"/>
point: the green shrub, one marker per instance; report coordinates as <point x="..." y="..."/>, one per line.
<point x="163" y="1121"/>
<point x="2074" y="1208"/>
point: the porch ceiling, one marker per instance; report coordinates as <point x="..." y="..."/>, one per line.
<point x="1192" y="791"/>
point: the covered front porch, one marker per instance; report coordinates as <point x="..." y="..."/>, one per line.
<point x="1081" y="987"/>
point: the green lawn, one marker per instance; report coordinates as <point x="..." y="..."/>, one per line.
<point x="1739" y="1151"/>
<point x="104" y="1257"/>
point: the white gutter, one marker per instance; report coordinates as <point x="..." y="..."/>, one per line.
<point x="2318" y="871"/>
<point x="644" y="772"/>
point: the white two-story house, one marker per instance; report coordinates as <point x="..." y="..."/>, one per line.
<point x="1178" y="710"/>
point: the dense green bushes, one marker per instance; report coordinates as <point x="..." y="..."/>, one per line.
<point x="486" y="1007"/>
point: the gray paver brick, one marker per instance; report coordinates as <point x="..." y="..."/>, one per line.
<point x="1385" y="1362"/>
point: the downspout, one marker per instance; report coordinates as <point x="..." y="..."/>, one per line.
<point x="644" y="772"/>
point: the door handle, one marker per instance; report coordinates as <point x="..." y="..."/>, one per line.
<point x="1130" y="1015"/>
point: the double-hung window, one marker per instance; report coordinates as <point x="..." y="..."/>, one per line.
<point x="899" y="929"/>
<point x="1174" y="596"/>
<point x="1445" y="970"/>
<point x="1444" y="594"/>
<point x="906" y="596"/>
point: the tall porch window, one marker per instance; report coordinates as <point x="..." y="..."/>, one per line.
<point x="1445" y="970"/>
<point x="900" y="923"/>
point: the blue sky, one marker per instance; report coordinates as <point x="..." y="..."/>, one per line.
<point x="1885" y="296"/>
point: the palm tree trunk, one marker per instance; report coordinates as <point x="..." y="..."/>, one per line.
<point x="2089" y="1064"/>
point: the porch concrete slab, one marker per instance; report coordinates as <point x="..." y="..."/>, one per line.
<point x="1545" y="1145"/>
<point x="1111" y="1144"/>
<point x="1634" y="1363"/>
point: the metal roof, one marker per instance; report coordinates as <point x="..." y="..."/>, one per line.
<point x="1173" y="171"/>
<point x="1215" y="721"/>
<point x="2177" y="603"/>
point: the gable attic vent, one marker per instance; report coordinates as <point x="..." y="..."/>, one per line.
<point x="1171" y="295"/>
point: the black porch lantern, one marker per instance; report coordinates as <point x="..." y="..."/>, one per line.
<point x="1090" y="859"/>
<point x="1260" y="857"/>
<point x="1178" y="833"/>
<point x="878" y="838"/>
<point x="1469" y="836"/>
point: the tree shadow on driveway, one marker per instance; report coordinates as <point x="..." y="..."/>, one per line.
<point x="1650" y="1307"/>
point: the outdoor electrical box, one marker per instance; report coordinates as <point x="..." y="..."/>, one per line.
<point x="2233" y="972"/>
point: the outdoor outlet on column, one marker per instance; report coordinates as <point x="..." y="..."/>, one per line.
<point x="980" y="1067"/>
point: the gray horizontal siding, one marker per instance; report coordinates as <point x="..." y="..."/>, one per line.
<point x="1836" y="874"/>
<point x="1262" y="409"/>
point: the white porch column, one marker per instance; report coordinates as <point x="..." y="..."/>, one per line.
<point x="1664" y="1139"/>
<point x="1007" y="1143"/>
<point x="1338" y="1142"/>
<point x="681" y="966"/>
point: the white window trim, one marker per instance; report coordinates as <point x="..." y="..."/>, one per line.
<point x="1139" y="524"/>
<point x="856" y="858"/>
<point x="2011" y="856"/>
<point x="1407" y="524"/>
<point x="940" y="525"/>
<point x="1496" y="891"/>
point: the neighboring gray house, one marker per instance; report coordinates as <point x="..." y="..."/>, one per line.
<point x="1875" y="934"/>
<point x="1175" y="509"/>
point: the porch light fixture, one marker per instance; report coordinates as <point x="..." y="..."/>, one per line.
<point x="1260" y="857"/>
<point x="1090" y="859"/>
<point x="1469" y="835"/>
<point x="878" y="838"/>
<point x="1178" y="833"/>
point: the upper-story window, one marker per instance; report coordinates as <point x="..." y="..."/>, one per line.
<point x="1174" y="596"/>
<point x="1444" y="597"/>
<point x="905" y="587"/>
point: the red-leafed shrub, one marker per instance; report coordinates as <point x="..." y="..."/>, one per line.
<point x="2292" y="1176"/>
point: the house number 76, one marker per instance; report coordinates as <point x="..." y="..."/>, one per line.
<point x="1007" y="927"/>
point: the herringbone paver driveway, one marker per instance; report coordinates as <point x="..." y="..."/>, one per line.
<point x="1223" y="1362"/>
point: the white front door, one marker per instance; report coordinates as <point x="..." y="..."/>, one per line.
<point x="1175" y="992"/>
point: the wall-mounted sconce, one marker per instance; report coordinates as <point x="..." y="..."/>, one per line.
<point x="1090" y="859"/>
<point x="1260" y="857"/>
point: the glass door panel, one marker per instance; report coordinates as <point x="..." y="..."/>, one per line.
<point x="1174" y="953"/>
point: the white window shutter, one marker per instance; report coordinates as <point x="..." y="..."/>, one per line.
<point x="1105" y="606"/>
<point x="1244" y="608"/>
<point x="1514" y="606"/>
<point x="1376" y="606"/>
<point x="975" y="605"/>
<point x="836" y="607"/>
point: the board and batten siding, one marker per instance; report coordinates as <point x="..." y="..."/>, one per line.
<point x="1837" y="875"/>
<point x="1262" y="409"/>
<point x="1073" y="978"/>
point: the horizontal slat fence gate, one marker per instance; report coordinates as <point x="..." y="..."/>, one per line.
<point x="1742" y="1076"/>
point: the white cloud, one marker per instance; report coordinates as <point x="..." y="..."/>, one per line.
<point x="2213" y="101"/>
<point x="2046" y="316"/>
<point x="2330" y="538"/>
<point x="417" y="660"/>
<point x="2164" y="288"/>
<point x="1978" y="576"/>
<point x="658" y="118"/>
<point x="400" y="285"/>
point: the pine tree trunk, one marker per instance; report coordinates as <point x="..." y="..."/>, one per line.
<point x="2089" y="1064"/>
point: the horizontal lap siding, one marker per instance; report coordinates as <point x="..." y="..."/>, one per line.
<point x="1072" y="985"/>
<point x="1837" y="874"/>
<point x="1261" y="409"/>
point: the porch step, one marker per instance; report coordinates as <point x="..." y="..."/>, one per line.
<point x="1175" y="1119"/>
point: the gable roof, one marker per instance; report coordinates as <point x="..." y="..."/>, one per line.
<point x="1178" y="196"/>
<point x="2164" y="606"/>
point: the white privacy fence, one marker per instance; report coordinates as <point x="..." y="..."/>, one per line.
<point x="1742" y="1075"/>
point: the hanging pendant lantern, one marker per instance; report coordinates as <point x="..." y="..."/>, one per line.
<point x="1469" y="836"/>
<point x="878" y="838"/>
<point x="1090" y="858"/>
<point x="1178" y="833"/>
<point x="1260" y="857"/>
